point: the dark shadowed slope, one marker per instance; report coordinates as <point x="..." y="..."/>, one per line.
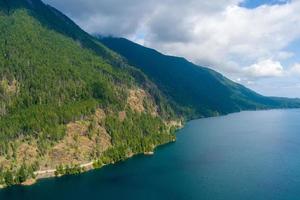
<point x="202" y="90"/>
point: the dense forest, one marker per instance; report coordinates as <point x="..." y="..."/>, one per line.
<point x="51" y="74"/>
<point x="205" y="91"/>
<point x="66" y="99"/>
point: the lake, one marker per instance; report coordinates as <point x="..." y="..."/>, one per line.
<point x="247" y="155"/>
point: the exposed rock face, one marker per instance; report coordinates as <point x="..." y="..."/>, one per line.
<point x="140" y="101"/>
<point x="21" y="151"/>
<point x="174" y="123"/>
<point x="136" y="100"/>
<point x="84" y="140"/>
<point x="122" y="116"/>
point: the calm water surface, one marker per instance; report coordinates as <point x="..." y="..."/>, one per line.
<point x="249" y="155"/>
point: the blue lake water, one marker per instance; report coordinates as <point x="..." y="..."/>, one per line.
<point x="248" y="155"/>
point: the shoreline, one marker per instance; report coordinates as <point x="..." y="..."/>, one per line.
<point x="88" y="166"/>
<point x="50" y="173"/>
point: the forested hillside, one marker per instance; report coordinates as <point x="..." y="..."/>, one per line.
<point x="65" y="99"/>
<point x="201" y="91"/>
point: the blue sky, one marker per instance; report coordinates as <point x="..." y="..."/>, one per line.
<point x="253" y="42"/>
<point x="256" y="3"/>
<point x="295" y="48"/>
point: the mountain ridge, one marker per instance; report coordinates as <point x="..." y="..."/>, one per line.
<point x="67" y="99"/>
<point x="199" y="85"/>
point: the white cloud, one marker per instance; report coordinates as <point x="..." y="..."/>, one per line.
<point x="237" y="36"/>
<point x="283" y="55"/>
<point x="218" y="33"/>
<point x="295" y="70"/>
<point x="215" y="33"/>
<point x="265" y="68"/>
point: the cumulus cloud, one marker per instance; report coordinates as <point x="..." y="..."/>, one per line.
<point x="215" y="32"/>
<point x="265" y="68"/>
<point x="238" y="36"/>
<point x="240" y="42"/>
<point x="125" y="17"/>
<point x="117" y="17"/>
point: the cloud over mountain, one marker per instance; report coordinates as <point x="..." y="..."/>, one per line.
<point x="222" y="34"/>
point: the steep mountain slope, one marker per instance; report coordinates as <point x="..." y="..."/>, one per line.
<point x="65" y="99"/>
<point x="202" y="90"/>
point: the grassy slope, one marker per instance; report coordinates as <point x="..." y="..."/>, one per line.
<point x="205" y="91"/>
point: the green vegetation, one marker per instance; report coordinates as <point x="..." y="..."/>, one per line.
<point x="53" y="73"/>
<point x="68" y="170"/>
<point x="45" y="122"/>
<point x="48" y="80"/>
<point x="9" y="177"/>
<point x="205" y="92"/>
<point x="53" y="80"/>
<point x="138" y="133"/>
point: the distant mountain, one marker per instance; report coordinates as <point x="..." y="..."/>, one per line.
<point x="201" y="91"/>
